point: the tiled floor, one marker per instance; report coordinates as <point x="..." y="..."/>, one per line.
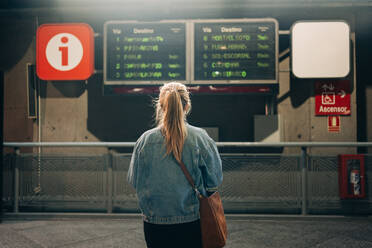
<point x="245" y="232"/>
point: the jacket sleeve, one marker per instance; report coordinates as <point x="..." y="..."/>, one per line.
<point x="211" y="165"/>
<point x="132" y="175"/>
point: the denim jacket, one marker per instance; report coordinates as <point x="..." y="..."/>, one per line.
<point x="165" y="196"/>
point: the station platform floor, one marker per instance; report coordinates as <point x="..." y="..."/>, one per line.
<point x="34" y="230"/>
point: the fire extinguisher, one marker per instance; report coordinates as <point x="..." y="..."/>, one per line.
<point x="355" y="181"/>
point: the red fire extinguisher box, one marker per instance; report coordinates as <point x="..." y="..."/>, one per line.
<point x="351" y="175"/>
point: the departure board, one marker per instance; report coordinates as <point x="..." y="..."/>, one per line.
<point x="235" y="51"/>
<point x="144" y="53"/>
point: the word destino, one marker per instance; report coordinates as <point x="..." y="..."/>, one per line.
<point x="224" y="30"/>
<point x="135" y="31"/>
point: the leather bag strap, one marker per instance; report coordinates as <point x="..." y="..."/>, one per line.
<point x="188" y="176"/>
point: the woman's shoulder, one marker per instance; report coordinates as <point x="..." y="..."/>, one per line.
<point x="197" y="133"/>
<point x="195" y="130"/>
<point x="151" y="133"/>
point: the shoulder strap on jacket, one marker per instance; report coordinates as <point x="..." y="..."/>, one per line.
<point x="187" y="174"/>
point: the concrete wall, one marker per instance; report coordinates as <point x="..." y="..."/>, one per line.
<point x="296" y="106"/>
<point x="77" y="111"/>
<point x="17" y="50"/>
<point x="369" y="115"/>
<point x="364" y="79"/>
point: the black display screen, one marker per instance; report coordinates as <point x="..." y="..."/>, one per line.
<point x="145" y="52"/>
<point x="235" y="51"/>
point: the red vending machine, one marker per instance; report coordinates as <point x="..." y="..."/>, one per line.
<point x="351" y="176"/>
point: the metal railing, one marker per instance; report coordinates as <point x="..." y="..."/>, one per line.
<point x="219" y="144"/>
<point x="251" y="181"/>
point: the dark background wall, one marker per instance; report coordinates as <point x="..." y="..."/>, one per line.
<point x="78" y="111"/>
<point x="364" y="79"/>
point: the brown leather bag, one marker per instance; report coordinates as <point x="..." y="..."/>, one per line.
<point x="212" y="218"/>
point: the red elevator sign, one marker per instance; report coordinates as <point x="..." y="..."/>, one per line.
<point x="65" y="51"/>
<point x="332" y="98"/>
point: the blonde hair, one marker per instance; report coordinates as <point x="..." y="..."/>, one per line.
<point x="172" y="106"/>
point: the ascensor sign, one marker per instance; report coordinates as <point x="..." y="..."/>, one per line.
<point x="332" y="98"/>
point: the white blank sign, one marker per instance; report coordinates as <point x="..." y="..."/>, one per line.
<point x="320" y="49"/>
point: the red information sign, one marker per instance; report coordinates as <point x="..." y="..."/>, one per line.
<point x="332" y="97"/>
<point x="65" y="51"/>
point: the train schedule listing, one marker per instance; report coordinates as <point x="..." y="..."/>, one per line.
<point x="145" y="52"/>
<point x="242" y="51"/>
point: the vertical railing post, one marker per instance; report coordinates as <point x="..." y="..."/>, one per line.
<point x="304" y="180"/>
<point x="109" y="181"/>
<point x="16" y="180"/>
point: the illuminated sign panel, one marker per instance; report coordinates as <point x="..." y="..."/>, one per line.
<point x="320" y="49"/>
<point x="235" y="51"/>
<point x="195" y="52"/>
<point x="64" y="51"/>
<point x="144" y="53"/>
